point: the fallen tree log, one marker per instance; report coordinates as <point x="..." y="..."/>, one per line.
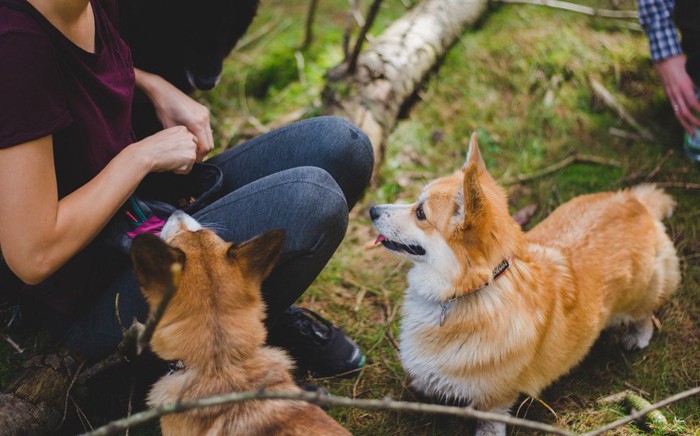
<point x="390" y="69"/>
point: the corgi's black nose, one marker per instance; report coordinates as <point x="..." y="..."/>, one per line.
<point x="373" y="213"/>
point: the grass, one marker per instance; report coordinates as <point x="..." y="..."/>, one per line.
<point x="521" y="79"/>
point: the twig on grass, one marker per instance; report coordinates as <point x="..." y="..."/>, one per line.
<point x="13" y="344"/>
<point x="624" y="134"/>
<point x="634" y="402"/>
<point x="70" y="387"/>
<point x="587" y="158"/>
<point x="607" y="13"/>
<point x="610" y="101"/>
<point x="658" y="166"/>
<point x="638" y="414"/>
<point x="254" y="36"/>
<point x="684" y="185"/>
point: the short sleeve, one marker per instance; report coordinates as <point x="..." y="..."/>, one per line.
<point x="32" y="99"/>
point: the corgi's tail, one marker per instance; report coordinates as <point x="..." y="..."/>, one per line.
<point x="659" y="203"/>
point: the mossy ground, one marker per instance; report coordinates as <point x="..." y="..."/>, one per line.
<point x="521" y="78"/>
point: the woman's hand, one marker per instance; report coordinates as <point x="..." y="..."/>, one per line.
<point x="175" y="108"/>
<point x="680" y="91"/>
<point x="173" y="149"/>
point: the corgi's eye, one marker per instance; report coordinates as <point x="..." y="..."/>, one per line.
<point x="420" y="213"/>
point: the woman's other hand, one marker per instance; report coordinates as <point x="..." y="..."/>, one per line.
<point x="680" y="91"/>
<point x="175" y="108"/>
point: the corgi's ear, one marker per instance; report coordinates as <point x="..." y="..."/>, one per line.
<point x="152" y="260"/>
<point x="474" y="155"/>
<point x="473" y="199"/>
<point x="261" y="253"/>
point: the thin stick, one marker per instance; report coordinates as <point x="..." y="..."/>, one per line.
<point x="611" y="102"/>
<point x="607" y="13"/>
<point x="561" y="164"/>
<point x="145" y="336"/>
<point x="683" y="185"/>
<point x="309" y="25"/>
<point x="318" y="399"/>
<point x="636" y="415"/>
<point x="262" y="31"/>
<point x="70" y="386"/>
<point x="374" y="9"/>
<point x="658" y="166"/>
<point x="138" y="333"/>
<point x="13" y="344"/>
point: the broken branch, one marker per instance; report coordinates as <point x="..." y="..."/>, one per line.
<point x="636" y="415"/>
<point x="607" y="13"/>
<point x="610" y="101"/>
<point x="352" y="62"/>
<point x="324" y="401"/>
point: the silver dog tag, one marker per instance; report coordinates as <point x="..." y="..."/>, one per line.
<point x="443" y="312"/>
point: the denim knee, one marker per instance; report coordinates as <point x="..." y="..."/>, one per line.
<point x="327" y="220"/>
<point x="355" y="151"/>
<point x="350" y="156"/>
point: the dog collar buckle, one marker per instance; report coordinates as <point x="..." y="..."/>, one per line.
<point x="497" y="274"/>
<point x="173" y="367"/>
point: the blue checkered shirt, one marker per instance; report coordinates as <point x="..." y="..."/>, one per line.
<point x="656" y="17"/>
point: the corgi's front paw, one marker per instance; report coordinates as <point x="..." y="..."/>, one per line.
<point x="637" y="335"/>
<point x="490" y="428"/>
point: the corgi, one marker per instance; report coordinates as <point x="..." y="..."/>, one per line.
<point x="491" y="312"/>
<point x="214" y="326"/>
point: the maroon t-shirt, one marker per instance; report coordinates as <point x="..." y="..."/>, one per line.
<point x="50" y="86"/>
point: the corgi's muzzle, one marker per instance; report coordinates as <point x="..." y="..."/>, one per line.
<point x="389" y="234"/>
<point x="178" y="222"/>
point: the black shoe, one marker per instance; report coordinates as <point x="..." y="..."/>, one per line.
<point x="316" y="344"/>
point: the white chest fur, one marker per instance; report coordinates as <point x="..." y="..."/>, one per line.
<point x="473" y="363"/>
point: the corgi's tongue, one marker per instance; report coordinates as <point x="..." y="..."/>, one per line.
<point x="380" y="239"/>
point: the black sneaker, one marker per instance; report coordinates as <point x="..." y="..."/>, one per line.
<point x="316" y="344"/>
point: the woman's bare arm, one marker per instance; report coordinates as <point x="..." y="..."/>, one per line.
<point x="39" y="233"/>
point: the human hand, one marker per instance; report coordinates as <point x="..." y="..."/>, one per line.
<point x="175" y="108"/>
<point x="172" y="149"/>
<point x="680" y="91"/>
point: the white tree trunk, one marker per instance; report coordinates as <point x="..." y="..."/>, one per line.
<point x="391" y="68"/>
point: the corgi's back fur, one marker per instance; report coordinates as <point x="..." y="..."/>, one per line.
<point x="492" y="312"/>
<point x="214" y="325"/>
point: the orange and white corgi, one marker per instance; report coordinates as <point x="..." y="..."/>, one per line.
<point x="214" y="325"/>
<point x="491" y="312"/>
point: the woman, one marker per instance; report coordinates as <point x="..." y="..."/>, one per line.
<point x="69" y="161"/>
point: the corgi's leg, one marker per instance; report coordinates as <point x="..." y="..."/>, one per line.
<point x="490" y="428"/>
<point x="638" y="334"/>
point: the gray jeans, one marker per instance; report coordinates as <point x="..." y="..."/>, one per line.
<point x="304" y="178"/>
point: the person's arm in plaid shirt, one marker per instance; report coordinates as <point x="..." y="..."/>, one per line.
<point x="656" y="17"/>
